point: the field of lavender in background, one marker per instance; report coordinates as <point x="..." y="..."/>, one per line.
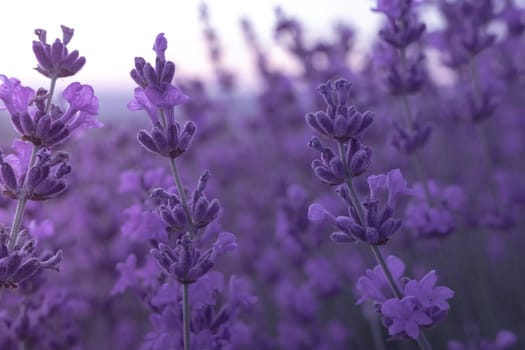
<point x="448" y="104"/>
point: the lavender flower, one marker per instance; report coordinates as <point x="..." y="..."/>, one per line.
<point x="54" y="60"/>
<point x="15" y="97"/>
<point x="19" y="263"/>
<point x="379" y="224"/>
<point x="41" y="183"/>
<point x="187" y="263"/>
<point x="422" y="304"/>
<point x="340" y="121"/>
<point x="505" y="339"/>
<point x="402" y="317"/>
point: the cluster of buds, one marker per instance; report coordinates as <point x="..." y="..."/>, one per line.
<point x="19" y="263"/>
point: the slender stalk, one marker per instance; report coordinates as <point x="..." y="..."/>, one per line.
<point x="22" y="201"/>
<point x="421" y="341"/>
<point x="409" y="121"/>
<point x="377" y="337"/>
<point x="185" y="288"/>
<point x="21" y="204"/>
<point x="482" y="132"/>
<point x="50" y="93"/>
<point x="381" y="260"/>
<point x="186" y="316"/>
<point x="182" y="195"/>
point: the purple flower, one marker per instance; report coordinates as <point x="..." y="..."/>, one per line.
<point x="408" y="141"/>
<point x="329" y="168"/>
<point x="16" y="98"/>
<point x="81" y="98"/>
<point x="55" y="61"/>
<point x="49" y="127"/>
<point x="340" y="121"/>
<point x="393" y="8"/>
<point x="187" y="263"/>
<point x="436" y="220"/>
<point x="379" y="223"/>
<point x="165" y="95"/>
<point x="505" y="339"/>
<point x="432" y="299"/>
<point x="142" y="103"/>
<point x="19" y="263"/>
<point x="155" y="85"/>
<point x="43" y="184"/>
<point x="170" y="142"/>
<point x="403" y="317"/>
<point x="374" y="285"/>
<point x="393" y="182"/>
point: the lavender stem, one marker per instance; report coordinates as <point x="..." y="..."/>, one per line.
<point x="186" y="316"/>
<point x="480" y="130"/>
<point x="185" y="288"/>
<point x="376" y="333"/>
<point x="21" y="204"/>
<point x="409" y="120"/>
<point x="183" y="199"/>
<point x="421" y="340"/>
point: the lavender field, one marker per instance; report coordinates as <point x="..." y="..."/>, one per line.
<point x="344" y="200"/>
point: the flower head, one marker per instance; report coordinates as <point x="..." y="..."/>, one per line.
<point x="54" y="60"/>
<point x="19" y="263"/>
<point x="403" y="317"/>
<point x="155" y="84"/>
<point x="16" y="98"/>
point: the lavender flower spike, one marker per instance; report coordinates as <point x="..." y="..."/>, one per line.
<point x="55" y="61"/>
<point x="19" y="263"/>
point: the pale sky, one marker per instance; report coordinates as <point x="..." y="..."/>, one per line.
<point x="111" y="33"/>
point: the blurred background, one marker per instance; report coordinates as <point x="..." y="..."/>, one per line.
<point x="110" y="35"/>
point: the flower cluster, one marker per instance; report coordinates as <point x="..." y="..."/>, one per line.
<point x="158" y="96"/>
<point x="18" y="262"/>
<point x="423" y="304"/>
<point x="436" y="220"/>
<point x="44" y="177"/>
<point x="36" y="172"/>
<point x="181" y="254"/>
<point x="418" y="304"/>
